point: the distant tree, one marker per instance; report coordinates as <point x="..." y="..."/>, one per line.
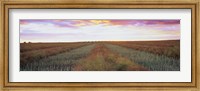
<point x="24" y="42"/>
<point x="29" y="42"/>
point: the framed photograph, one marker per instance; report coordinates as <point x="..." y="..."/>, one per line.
<point x="100" y="45"/>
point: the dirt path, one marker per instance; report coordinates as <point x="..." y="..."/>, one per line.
<point x="102" y="59"/>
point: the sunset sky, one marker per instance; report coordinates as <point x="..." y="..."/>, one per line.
<point x="60" y="30"/>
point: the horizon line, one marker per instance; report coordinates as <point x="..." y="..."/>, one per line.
<point x="97" y="41"/>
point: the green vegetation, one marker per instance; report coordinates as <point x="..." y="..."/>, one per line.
<point x="170" y="48"/>
<point x="60" y="62"/>
<point x="152" y="61"/>
<point x="101" y="56"/>
<point x="37" y="54"/>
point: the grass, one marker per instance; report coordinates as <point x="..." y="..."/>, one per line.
<point x="60" y="62"/>
<point x="152" y="61"/>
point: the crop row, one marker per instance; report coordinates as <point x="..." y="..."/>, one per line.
<point x="36" y="46"/>
<point x="167" y="48"/>
<point x="151" y="61"/>
<point x="102" y="56"/>
<point x="30" y="56"/>
<point x="59" y="62"/>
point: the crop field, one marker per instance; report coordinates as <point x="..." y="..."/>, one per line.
<point x="101" y="56"/>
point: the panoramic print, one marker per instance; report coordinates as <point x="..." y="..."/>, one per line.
<point x="99" y="45"/>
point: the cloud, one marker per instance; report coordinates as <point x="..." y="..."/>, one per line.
<point x="93" y="30"/>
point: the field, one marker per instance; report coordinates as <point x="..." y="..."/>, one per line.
<point x="101" y="56"/>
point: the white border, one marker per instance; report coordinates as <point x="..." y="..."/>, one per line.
<point x="96" y="76"/>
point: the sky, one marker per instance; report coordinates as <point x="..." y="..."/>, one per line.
<point x="64" y="30"/>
